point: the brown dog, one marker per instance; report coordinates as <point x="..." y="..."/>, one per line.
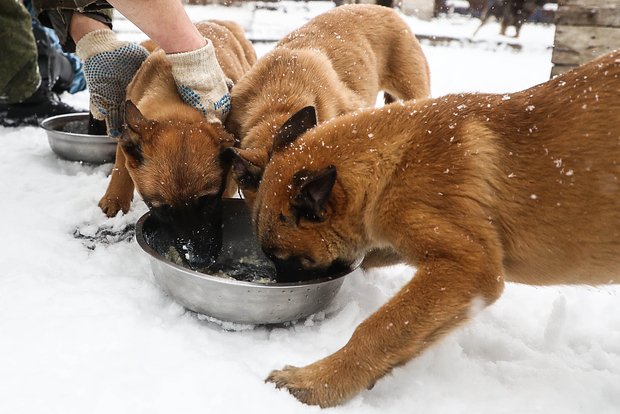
<point x="167" y="149"/>
<point x="472" y="189"/>
<point x="337" y="62"/>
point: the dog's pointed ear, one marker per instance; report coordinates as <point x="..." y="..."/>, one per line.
<point x="131" y="138"/>
<point x="134" y="119"/>
<point x="313" y="193"/>
<point x="294" y="127"/>
<point x="246" y="165"/>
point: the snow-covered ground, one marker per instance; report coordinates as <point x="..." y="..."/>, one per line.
<point x="86" y="330"/>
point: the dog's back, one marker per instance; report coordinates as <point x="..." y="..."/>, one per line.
<point x="338" y="62"/>
<point x="541" y="167"/>
<point x="365" y="36"/>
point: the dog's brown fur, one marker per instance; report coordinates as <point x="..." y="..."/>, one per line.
<point x="337" y="62"/>
<point x="471" y="189"/>
<point x="167" y="148"/>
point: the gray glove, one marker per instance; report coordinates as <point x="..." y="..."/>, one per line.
<point x="109" y="66"/>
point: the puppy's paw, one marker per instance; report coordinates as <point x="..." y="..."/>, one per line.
<point x="321" y="383"/>
<point x="111" y="205"/>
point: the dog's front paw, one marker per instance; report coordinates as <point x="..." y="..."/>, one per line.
<point x="321" y="383"/>
<point x="111" y="205"/>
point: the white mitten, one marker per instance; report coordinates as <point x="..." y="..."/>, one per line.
<point x="201" y="82"/>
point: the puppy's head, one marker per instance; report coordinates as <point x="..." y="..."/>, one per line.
<point x="177" y="169"/>
<point x="300" y="211"/>
<point x="247" y="165"/>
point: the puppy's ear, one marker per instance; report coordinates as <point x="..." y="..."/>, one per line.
<point x="134" y="119"/>
<point x="313" y="193"/>
<point x="296" y="125"/>
<point x="133" y="135"/>
<point x="246" y="165"/>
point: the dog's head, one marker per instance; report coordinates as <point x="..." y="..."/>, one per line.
<point x="247" y="165"/>
<point x="301" y="208"/>
<point x="177" y="169"/>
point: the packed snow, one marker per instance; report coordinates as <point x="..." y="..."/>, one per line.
<point x="84" y="328"/>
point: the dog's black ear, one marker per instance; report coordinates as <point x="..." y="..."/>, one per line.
<point x="134" y="119"/>
<point x="313" y="192"/>
<point x="295" y="126"/>
<point x="245" y="172"/>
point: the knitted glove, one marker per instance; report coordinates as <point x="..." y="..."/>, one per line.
<point x="109" y="66"/>
<point x="201" y="82"/>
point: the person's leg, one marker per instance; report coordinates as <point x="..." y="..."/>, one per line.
<point x="19" y="73"/>
<point x="25" y="81"/>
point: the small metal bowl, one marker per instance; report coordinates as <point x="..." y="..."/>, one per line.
<point x="93" y="149"/>
<point x="229" y="299"/>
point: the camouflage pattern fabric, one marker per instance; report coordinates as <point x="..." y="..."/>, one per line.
<point x="19" y="72"/>
<point x="57" y="15"/>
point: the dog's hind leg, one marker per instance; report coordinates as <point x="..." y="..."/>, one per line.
<point x="407" y="75"/>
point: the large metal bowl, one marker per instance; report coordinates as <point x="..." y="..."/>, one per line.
<point x="93" y="149"/>
<point x="233" y="300"/>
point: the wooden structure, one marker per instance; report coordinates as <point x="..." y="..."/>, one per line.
<point x="584" y="29"/>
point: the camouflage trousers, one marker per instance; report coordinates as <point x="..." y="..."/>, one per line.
<point x="57" y="15"/>
<point x="19" y="73"/>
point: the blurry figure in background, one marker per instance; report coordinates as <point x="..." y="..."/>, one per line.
<point x="110" y="64"/>
<point x="509" y="13"/>
<point x="33" y="69"/>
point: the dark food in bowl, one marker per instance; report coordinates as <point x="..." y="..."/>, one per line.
<point x="240" y="256"/>
<point x="91" y="126"/>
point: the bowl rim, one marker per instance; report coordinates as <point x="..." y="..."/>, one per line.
<point x="218" y="279"/>
<point x="45" y="125"/>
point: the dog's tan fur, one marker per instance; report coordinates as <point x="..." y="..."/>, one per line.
<point x="471" y="189"/>
<point x="337" y="62"/>
<point x="173" y="138"/>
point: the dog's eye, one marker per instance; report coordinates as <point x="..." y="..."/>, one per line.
<point x="306" y="214"/>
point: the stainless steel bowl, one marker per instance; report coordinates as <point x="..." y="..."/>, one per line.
<point x="233" y="300"/>
<point x="94" y="149"/>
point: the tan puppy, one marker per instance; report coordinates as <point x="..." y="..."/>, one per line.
<point x="167" y="150"/>
<point x="471" y="189"/>
<point x="337" y="62"/>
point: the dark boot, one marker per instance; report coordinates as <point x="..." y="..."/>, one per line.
<point x="42" y="104"/>
<point x="56" y="74"/>
<point x="55" y="68"/>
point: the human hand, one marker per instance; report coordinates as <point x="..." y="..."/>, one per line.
<point x="109" y="66"/>
<point x="201" y="82"/>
